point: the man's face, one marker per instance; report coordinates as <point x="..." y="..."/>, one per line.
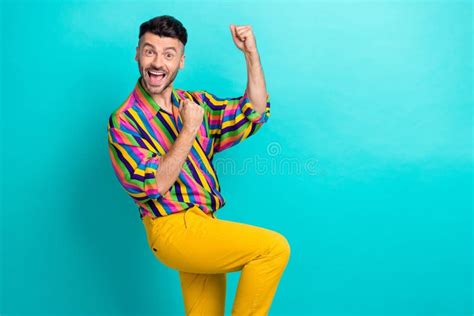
<point x="159" y="59"/>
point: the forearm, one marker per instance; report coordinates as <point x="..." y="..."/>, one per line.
<point x="256" y="87"/>
<point x="172" y="162"/>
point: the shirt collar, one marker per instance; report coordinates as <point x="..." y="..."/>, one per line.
<point x="147" y="102"/>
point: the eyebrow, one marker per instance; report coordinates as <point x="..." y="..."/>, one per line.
<point x="170" y="47"/>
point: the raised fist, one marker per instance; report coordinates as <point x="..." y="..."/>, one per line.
<point x="192" y="114"/>
<point x="244" y="38"/>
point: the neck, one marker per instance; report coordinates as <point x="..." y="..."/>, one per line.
<point x="163" y="99"/>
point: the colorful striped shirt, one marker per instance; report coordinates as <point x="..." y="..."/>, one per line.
<point x="140" y="132"/>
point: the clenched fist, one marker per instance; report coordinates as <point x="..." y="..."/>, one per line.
<point x="244" y="38"/>
<point x="192" y="115"/>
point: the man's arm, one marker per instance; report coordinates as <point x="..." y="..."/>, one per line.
<point x="256" y="87"/>
<point x="231" y="120"/>
<point x="244" y="38"/>
<point x="134" y="159"/>
<point x="173" y="161"/>
<point x="145" y="171"/>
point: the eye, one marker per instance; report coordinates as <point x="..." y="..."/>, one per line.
<point x="148" y="52"/>
<point x="169" y="55"/>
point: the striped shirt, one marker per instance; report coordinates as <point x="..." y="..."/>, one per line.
<point x="140" y="132"/>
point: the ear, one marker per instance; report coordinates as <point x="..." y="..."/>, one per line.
<point x="181" y="62"/>
<point x="137" y="51"/>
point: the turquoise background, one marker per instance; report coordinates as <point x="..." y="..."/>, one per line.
<point x="373" y="99"/>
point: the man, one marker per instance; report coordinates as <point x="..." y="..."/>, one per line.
<point x="161" y="143"/>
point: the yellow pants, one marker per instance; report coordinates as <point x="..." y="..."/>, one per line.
<point x="204" y="248"/>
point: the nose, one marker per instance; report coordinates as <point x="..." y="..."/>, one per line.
<point x="157" y="62"/>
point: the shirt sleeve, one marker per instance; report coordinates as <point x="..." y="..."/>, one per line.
<point x="231" y="120"/>
<point x="134" y="159"/>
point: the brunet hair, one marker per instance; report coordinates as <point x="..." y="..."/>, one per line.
<point x="165" y="26"/>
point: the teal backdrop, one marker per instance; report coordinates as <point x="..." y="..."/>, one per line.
<point x="365" y="164"/>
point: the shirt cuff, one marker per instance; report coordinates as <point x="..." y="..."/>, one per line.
<point x="149" y="182"/>
<point x="249" y="111"/>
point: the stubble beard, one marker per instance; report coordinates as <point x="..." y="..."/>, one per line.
<point x="156" y="89"/>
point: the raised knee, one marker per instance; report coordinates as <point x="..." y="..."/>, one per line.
<point x="281" y="245"/>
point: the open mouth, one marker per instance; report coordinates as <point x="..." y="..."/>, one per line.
<point x="156" y="77"/>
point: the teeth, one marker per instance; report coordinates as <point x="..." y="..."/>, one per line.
<point x="157" y="73"/>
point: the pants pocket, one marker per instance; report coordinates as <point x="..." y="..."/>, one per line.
<point x="168" y="231"/>
<point x="157" y="229"/>
<point x="195" y="220"/>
